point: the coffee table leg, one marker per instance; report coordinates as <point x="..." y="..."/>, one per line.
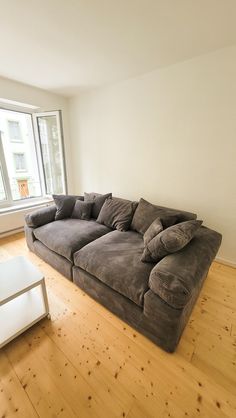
<point x="45" y="297"/>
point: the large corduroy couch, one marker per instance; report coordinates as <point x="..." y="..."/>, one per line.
<point x="109" y="247"/>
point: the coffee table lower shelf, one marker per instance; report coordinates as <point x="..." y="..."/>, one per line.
<point x="23" y="311"/>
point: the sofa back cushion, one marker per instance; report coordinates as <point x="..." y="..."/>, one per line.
<point x="158" y="225"/>
<point x="170" y="240"/>
<point x="98" y="200"/>
<point x="64" y="205"/>
<point x="146" y="213"/>
<point x="82" y="210"/>
<point x="117" y="213"/>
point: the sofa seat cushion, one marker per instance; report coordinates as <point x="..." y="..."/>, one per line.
<point x="114" y="259"/>
<point x="69" y="235"/>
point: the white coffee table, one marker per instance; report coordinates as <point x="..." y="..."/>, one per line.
<point x="23" y="298"/>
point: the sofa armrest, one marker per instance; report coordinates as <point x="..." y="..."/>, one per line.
<point x="29" y="236"/>
<point x="41" y="216"/>
<point x="176" y="276"/>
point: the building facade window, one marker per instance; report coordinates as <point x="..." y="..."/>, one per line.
<point x="14" y="131"/>
<point x="19" y="160"/>
<point x="31" y="156"/>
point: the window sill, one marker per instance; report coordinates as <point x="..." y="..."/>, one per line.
<point x="23" y="206"/>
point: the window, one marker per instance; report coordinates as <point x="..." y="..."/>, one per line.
<point x="31" y="156"/>
<point x="19" y="160"/>
<point x="52" y="153"/>
<point x="14" y="131"/>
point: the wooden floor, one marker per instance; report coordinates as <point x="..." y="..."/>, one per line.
<point x="85" y="362"/>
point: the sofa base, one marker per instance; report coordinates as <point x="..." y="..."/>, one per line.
<point x="128" y="311"/>
<point x="157" y="320"/>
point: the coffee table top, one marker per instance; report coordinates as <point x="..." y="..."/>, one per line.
<point x="17" y="275"/>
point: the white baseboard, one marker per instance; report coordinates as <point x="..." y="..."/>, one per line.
<point x="226" y="262"/>
<point x="11" y="232"/>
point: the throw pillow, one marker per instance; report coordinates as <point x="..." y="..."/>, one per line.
<point x="64" y="205"/>
<point x="146" y="213"/>
<point x="170" y="240"/>
<point x="82" y="210"/>
<point x="157" y="226"/>
<point x="98" y="200"/>
<point x="117" y="213"/>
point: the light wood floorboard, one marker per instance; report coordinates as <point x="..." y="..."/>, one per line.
<point x="87" y="363"/>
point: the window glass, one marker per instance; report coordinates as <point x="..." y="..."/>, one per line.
<point x="30" y="166"/>
<point x="52" y="154"/>
<point x="20" y="156"/>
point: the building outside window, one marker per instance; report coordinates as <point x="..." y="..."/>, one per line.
<point x="14" y="130"/>
<point x="31" y="156"/>
<point x="19" y="160"/>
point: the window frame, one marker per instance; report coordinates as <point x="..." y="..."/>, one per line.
<point x="58" y="114"/>
<point x="9" y="202"/>
<point x="6" y="183"/>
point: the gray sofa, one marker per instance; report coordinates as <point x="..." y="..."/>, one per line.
<point x="154" y="298"/>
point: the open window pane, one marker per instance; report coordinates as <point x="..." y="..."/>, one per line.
<point x="20" y="154"/>
<point x="52" y="152"/>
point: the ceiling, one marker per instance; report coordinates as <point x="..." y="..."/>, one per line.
<point x="68" y="45"/>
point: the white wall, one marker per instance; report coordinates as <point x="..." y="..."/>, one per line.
<point x="12" y="90"/>
<point x="168" y="136"/>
